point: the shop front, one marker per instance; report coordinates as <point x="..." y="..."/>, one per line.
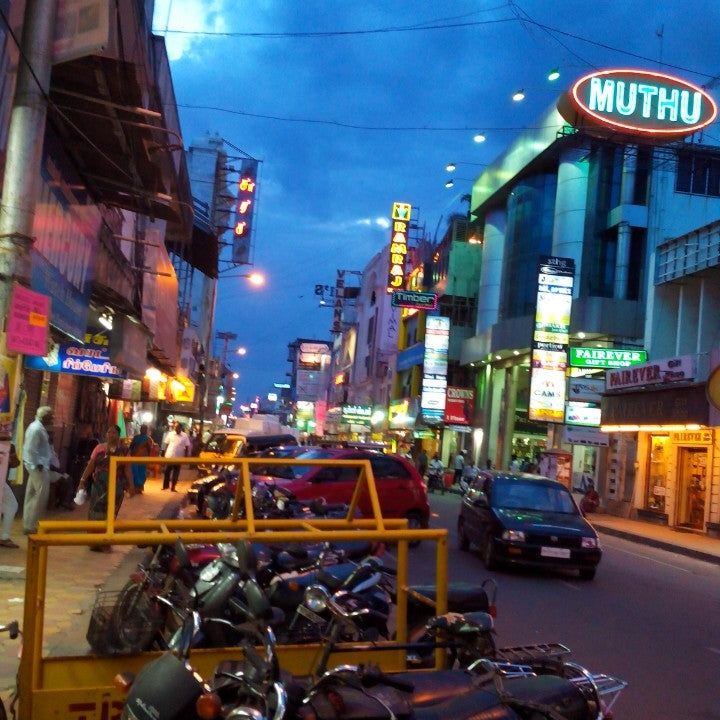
<point x="676" y="468"/>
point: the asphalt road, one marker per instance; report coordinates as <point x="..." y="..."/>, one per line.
<point x="650" y="617"/>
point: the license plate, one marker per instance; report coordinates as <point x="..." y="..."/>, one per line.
<point x="310" y="615"/>
<point x="555" y="552"/>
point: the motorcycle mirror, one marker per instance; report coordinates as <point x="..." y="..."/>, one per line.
<point x="182" y="555"/>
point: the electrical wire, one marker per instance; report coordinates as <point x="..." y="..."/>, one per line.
<point x="354" y="126"/>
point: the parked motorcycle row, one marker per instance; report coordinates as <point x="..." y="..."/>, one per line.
<point x="349" y="603"/>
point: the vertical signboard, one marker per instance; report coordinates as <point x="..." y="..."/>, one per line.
<point x="400" y="218"/>
<point x="244" y="211"/>
<point x="434" y="384"/>
<point x="313" y="359"/>
<point x="551" y="339"/>
<point x="460" y="406"/>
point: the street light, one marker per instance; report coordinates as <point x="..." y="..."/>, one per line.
<point x="254" y="278"/>
<point x="518" y="95"/>
<point x="479" y="138"/>
<point x="450" y="167"/>
<point x="242" y="351"/>
<point x="553" y="75"/>
<point x="236" y="376"/>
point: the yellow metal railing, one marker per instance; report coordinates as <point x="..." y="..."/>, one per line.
<point x="80" y="687"/>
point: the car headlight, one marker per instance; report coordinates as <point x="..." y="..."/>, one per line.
<point x="590" y="542"/>
<point x="514" y="535"/>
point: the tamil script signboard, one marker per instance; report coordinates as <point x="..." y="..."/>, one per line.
<point x="414" y="300"/>
<point x="550" y="339"/>
<point x="245" y="211"/>
<point x="357" y="414"/>
<point x="605" y="358"/>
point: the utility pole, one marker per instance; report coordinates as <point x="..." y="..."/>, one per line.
<point x="226" y="337"/>
<point x="25" y="143"/>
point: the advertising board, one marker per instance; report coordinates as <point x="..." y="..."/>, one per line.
<point x="550" y="339"/>
<point x="434" y="382"/>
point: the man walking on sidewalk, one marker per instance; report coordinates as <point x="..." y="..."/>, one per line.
<point x="178" y="445"/>
<point x="36" y="457"/>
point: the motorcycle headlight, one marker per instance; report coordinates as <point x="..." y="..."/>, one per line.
<point x="590" y="542"/>
<point x="314" y="600"/>
<point x="514" y="535"/>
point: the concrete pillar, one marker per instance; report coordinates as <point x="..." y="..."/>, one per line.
<point x="627" y="183"/>
<point x="487" y="412"/>
<point x="570" y="207"/>
<point x="494" y="430"/>
<point x="686" y="337"/>
<point x="622" y="260"/>
<point x="511" y="385"/>
<point x="491" y="270"/>
<point x="24" y="145"/>
<point x="627" y="191"/>
<point x="708" y="304"/>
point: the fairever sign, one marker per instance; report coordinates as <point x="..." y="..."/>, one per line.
<point x="551" y="339"/>
<point x="652" y="373"/>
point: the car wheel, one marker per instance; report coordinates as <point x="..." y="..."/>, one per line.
<point x="489" y="555"/>
<point x="463" y="542"/>
<point x="414" y="523"/>
<point x="587" y="573"/>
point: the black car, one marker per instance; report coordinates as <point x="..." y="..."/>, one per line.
<point x="529" y="520"/>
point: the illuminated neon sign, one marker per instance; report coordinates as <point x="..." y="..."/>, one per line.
<point x="640" y="102"/>
<point x="401" y="213"/>
<point x="244" y="210"/>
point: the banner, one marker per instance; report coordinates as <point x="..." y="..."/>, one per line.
<point x="27" y="323"/>
<point x="551" y="339"/>
<point x="460" y="406"/>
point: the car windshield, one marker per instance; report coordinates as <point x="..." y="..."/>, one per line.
<point x="532" y="495"/>
<point x="291" y="472"/>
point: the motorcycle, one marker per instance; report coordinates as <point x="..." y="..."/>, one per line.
<point x="169" y="689"/>
<point x="436" y="481"/>
<point x="13" y="631"/>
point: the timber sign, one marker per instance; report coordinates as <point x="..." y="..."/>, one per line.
<point x="640" y="102"/>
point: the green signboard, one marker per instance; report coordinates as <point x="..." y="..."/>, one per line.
<point x="586" y="357"/>
<point x="414" y="299"/>
<point x="357" y="414"/>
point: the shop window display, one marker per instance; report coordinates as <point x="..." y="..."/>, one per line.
<point x="657" y="473"/>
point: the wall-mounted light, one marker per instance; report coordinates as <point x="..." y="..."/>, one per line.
<point x="451" y="167"/>
<point x="479" y="138"/>
<point x="449" y="183"/>
<point x="106" y="320"/>
<point x="518" y="95"/>
<point x="553" y="75"/>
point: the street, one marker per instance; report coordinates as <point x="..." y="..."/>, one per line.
<point x="649" y="617"/>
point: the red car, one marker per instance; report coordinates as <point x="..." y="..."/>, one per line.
<point x="401" y="490"/>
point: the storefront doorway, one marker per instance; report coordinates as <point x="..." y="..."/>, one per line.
<point x="692" y="485"/>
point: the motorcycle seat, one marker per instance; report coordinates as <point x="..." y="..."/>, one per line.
<point x="462" y="597"/>
<point x="432" y="687"/>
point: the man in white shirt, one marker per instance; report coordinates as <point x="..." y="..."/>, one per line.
<point x="37" y="455"/>
<point x="177" y="445"/>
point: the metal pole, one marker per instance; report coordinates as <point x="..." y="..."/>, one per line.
<point x="25" y="143"/>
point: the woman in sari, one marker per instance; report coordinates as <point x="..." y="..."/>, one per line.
<point x="98" y="467"/>
<point x="141" y="446"/>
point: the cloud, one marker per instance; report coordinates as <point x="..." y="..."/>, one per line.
<point x="200" y="15"/>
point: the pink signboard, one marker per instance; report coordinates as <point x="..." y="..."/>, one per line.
<point x="27" y="324"/>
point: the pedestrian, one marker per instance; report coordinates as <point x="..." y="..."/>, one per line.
<point x="98" y="468"/>
<point x="177" y="445"/>
<point x="140" y="446"/>
<point x="9" y="503"/>
<point x="36" y="458"/>
<point x="61" y="484"/>
<point x="470" y="474"/>
<point x="421" y="462"/>
<point x="459" y="467"/>
<point x="515" y="463"/>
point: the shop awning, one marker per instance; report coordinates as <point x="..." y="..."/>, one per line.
<point x="123" y="149"/>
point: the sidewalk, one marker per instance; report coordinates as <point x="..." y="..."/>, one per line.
<point x="700" y="547"/>
<point x="73" y="576"/>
